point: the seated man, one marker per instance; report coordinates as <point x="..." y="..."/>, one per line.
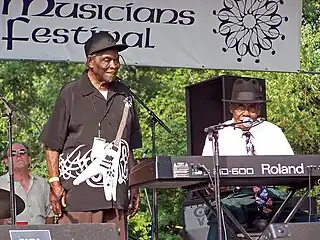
<point x="262" y="138"/>
<point x="32" y="189"/>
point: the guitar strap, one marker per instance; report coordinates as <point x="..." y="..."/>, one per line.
<point x="124" y="118"/>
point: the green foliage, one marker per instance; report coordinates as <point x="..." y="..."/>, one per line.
<point x="295" y="106"/>
<point x="33" y="88"/>
<point x="311" y="13"/>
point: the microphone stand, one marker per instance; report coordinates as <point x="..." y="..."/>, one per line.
<point x="9" y="111"/>
<point x="153" y="120"/>
<point x="213" y="135"/>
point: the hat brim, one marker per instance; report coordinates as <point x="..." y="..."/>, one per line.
<point x="121" y="47"/>
<point x="246" y="101"/>
<point x="118" y="47"/>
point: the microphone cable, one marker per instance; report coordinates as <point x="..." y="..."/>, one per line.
<point x="124" y="61"/>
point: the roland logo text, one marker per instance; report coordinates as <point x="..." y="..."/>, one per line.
<point x="281" y="169"/>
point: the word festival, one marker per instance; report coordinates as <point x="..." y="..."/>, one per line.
<point x="94" y="15"/>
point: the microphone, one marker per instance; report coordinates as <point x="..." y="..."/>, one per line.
<point x="246" y="122"/>
<point x="10" y="108"/>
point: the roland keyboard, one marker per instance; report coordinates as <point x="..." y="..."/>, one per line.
<point x="187" y="171"/>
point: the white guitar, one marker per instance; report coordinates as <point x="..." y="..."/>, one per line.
<point x="108" y="166"/>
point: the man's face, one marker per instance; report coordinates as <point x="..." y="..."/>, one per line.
<point x="20" y="157"/>
<point x="241" y="110"/>
<point x="104" y="65"/>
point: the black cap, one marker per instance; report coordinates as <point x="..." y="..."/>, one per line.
<point x="102" y="41"/>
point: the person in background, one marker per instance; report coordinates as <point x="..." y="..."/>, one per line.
<point x="31" y="188"/>
<point x="257" y="138"/>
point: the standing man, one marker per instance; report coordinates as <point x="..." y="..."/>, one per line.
<point x="32" y="189"/>
<point x="88" y="176"/>
<point x="261" y="138"/>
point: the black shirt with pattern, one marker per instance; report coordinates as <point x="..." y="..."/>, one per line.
<point x="70" y="130"/>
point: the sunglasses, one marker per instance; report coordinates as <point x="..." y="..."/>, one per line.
<point x="20" y="152"/>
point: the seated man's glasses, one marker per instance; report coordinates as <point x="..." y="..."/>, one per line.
<point x="250" y="107"/>
<point x="20" y="152"/>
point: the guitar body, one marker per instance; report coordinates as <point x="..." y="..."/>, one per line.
<point x="113" y="155"/>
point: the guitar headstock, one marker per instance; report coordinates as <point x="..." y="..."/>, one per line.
<point x="128" y="101"/>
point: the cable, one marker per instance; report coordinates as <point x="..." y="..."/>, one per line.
<point x="148" y="202"/>
<point x="124" y="61"/>
<point x="224" y="226"/>
<point x="203" y="167"/>
<point x="145" y="190"/>
<point x="309" y="72"/>
<point x="146" y="195"/>
<point x="309" y="185"/>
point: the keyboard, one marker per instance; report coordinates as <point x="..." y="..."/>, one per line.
<point x="186" y="171"/>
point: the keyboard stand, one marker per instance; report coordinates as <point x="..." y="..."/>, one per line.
<point x="295" y="208"/>
<point x="274" y="218"/>
<point x="281" y="208"/>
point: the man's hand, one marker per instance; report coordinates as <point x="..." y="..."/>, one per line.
<point x="134" y="205"/>
<point x="6" y="221"/>
<point x="57" y="198"/>
<point x="49" y="220"/>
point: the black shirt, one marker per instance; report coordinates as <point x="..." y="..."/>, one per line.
<point x="70" y="130"/>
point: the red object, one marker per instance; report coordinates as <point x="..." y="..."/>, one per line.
<point x="21" y="223"/>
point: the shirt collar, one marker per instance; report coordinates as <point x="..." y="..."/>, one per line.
<point x="87" y="88"/>
<point x="85" y="84"/>
<point x="32" y="177"/>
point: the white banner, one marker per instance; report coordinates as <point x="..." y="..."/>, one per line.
<point x="259" y="35"/>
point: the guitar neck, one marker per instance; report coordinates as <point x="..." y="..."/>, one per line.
<point x="122" y="125"/>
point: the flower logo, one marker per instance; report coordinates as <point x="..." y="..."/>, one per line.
<point x="250" y="27"/>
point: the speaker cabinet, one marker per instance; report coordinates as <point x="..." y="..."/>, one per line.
<point x="292" y="231"/>
<point x="195" y="222"/>
<point x="205" y="108"/>
<point x="103" y="231"/>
